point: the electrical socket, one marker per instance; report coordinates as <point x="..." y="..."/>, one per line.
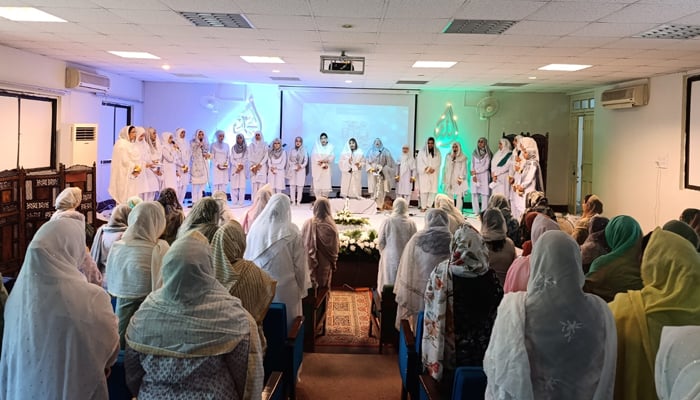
<point x="662" y="161"/>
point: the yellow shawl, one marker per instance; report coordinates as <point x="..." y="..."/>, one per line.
<point x="671" y="275"/>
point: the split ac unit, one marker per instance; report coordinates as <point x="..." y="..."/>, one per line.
<point x="84" y="137"/>
<point x="626" y="97"/>
<point x="77" y="78"/>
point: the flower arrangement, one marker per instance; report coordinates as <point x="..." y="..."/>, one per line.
<point x="359" y="242"/>
<point x="345" y="217"/>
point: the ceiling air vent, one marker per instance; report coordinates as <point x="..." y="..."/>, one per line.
<point x="285" y="78"/>
<point x="479" y="26"/>
<point x="509" y="84"/>
<point x="671" y="32"/>
<point x="186" y="75"/>
<point x="217" y="20"/>
<point x="411" y="82"/>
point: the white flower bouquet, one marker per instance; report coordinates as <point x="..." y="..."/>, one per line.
<point x="345" y="217"/>
<point x="359" y="242"/>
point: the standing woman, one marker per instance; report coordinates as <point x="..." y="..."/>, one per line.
<point x="531" y="176"/>
<point x="500" y="168"/>
<point x="169" y="164"/>
<point x="200" y="168"/>
<point x="394" y="234"/>
<point x="184" y="158"/>
<point x="121" y="167"/>
<point x="156" y="148"/>
<point x="481" y="163"/>
<point x="322" y="243"/>
<point x="517" y="204"/>
<point x="275" y="244"/>
<point x="219" y="152"/>
<point x="296" y="170"/>
<point x="239" y="160"/>
<point x="405" y="173"/>
<point x="350" y="164"/>
<point x="321" y="160"/>
<point x="145" y="183"/>
<point x="428" y="162"/>
<point x="380" y="172"/>
<point x="257" y="159"/>
<point x="454" y="175"/>
<point x="277" y="163"/>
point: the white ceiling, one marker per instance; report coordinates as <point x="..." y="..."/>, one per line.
<point x="391" y="34"/>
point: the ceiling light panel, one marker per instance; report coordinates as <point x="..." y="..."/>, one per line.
<point x="262" y="60"/>
<point x="28" y="14"/>
<point x="135" y="54"/>
<point x="434" y="64"/>
<point x="564" y="67"/>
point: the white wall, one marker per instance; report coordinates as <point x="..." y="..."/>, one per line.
<point x="32" y="73"/>
<point x="518" y="112"/>
<point x="626" y="145"/>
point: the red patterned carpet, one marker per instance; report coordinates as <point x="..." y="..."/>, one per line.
<point x="347" y="320"/>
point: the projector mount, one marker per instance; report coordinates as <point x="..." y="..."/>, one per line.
<point x="342" y="64"/>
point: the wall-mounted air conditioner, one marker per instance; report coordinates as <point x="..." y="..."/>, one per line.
<point x="77" y="78"/>
<point x="626" y="97"/>
<point x="84" y="137"/>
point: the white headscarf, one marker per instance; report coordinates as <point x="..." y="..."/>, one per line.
<point x="530" y="146"/>
<point x="347" y="150"/>
<point x="459" y="156"/>
<point x="678" y="363"/>
<point x="553" y="341"/>
<point x="448" y="205"/>
<point x="505" y="150"/>
<point x="60" y="331"/>
<point x="408" y="162"/>
<point x="272" y="225"/>
<point x="69" y="199"/>
<point x="493" y="225"/>
<point x="400" y="207"/>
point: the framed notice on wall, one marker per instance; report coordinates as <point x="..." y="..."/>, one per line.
<point x="692" y="133"/>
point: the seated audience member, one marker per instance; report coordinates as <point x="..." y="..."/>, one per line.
<point x="426" y="249"/>
<point x="66" y="204"/>
<point x="455" y="216"/>
<point x="501" y="248"/>
<point x="225" y="212"/>
<point x="688" y="215"/>
<point x="133" y="265"/>
<point x="591" y="207"/>
<point x="617" y="271"/>
<point x="461" y="299"/>
<point x="394" y="233"/>
<point x="536" y="201"/>
<point x="321" y="241"/>
<point x="518" y="274"/>
<point x="553" y="341"/>
<point x="107" y="234"/>
<point x="240" y="277"/>
<point x="595" y="245"/>
<point x="526" y="232"/>
<point x="173" y="214"/>
<point x="275" y="244"/>
<point x="260" y="200"/>
<point x="133" y="201"/>
<point x="191" y="338"/>
<point x="500" y="202"/>
<point x="677" y="369"/>
<point x="670" y="297"/>
<point x="203" y="217"/>
<point x="60" y="334"/>
<point x="684" y="230"/>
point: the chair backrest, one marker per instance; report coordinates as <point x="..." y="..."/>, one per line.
<point x="419" y="334"/>
<point x="275" y="329"/>
<point x="469" y="383"/>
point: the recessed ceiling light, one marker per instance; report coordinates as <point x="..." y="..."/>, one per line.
<point x="28" y="14"/>
<point x="348" y="81"/>
<point x="262" y="60"/>
<point x="346" y="26"/>
<point x="166" y="67"/>
<point x="531" y="77"/>
<point x="135" y="54"/>
<point x="564" y="67"/>
<point x="276" y="71"/>
<point x="434" y="64"/>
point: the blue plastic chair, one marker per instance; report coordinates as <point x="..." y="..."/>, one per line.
<point x="409" y="357"/>
<point x="469" y="383"/>
<point x="285" y="350"/>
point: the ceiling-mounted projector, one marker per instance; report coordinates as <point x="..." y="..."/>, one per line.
<point x="342" y="64"/>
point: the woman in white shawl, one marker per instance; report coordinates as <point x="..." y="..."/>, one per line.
<point x="170" y="161"/>
<point x="155" y="147"/>
<point x="297" y="161"/>
<point x="191" y="337"/>
<point x="257" y="160"/>
<point x="380" y="172"/>
<point x="107" y="234"/>
<point x="405" y="173"/>
<point x="275" y="244"/>
<point x="239" y="160"/>
<point x="183" y="163"/>
<point x="455" y="216"/>
<point x="517" y="205"/>
<point x="426" y="249"/>
<point x="530" y="176"/>
<point x="394" y="233"/>
<point x="480" y="166"/>
<point x="60" y="334"/>
<point x="277" y="164"/>
<point x="553" y="341"/>
<point x="677" y="370"/>
<point x="320" y="235"/>
<point x="121" y="166"/>
<point x="454" y="174"/>
<point x="219" y="152"/>
<point x="322" y="158"/>
<point x="500" y="168"/>
<point x="428" y="166"/>
<point x="199" y="174"/>
<point x="133" y="265"/>
<point x="350" y="164"/>
<point x="259" y="202"/>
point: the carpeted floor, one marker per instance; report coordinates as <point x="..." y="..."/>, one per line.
<point x="347" y="320"/>
<point x="349" y="376"/>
